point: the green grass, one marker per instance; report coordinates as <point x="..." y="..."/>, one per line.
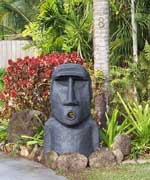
<point x="124" y="172"/>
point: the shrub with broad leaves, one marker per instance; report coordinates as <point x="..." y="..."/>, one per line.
<point x="27" y="82"/>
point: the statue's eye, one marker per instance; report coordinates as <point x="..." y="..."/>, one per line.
<point x="76" y="78"/>
<point x="76" y="81"/>
<point x="79" y="82"/>
<point x="62" y="80"/>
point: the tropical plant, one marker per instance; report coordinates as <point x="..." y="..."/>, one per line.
<point x="123" y="79"/>
<point x="3" y="131"/>
<point x="37" y="139"/>
<point x="138" y="118"/>
<point x="73" y="19"/>
<point x="121" y="29"/>
<point x="63" y="26"/>
<point x="113" y="129"/>
<point x="14" y="14"/>
<point x="141" y="75"/>
<point x="27" y="82"/>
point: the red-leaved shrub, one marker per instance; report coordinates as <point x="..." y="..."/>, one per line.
<point x="27" y="82"/>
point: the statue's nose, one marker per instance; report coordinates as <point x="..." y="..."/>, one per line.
<point x="71" y="99"/>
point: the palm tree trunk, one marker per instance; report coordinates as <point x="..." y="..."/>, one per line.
<point x="134" y="40"/>
<point x="134" y="32"/>
<point x="101" y="53"/>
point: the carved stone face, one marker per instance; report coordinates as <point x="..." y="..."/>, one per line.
<point x="70" y="94"/>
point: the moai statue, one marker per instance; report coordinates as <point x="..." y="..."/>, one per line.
<point x="71" y="127"/>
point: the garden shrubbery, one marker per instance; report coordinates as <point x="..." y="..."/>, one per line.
<point x="137" y="117"/>
<point x="27" y="82"/>
<point x="26" y="85"/>
<point x="135" y="123"/>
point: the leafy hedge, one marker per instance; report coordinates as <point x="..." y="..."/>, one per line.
<point x="27" y="82"/>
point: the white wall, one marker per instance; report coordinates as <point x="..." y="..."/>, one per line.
<point x="12" y="49"/>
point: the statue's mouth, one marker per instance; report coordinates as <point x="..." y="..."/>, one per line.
<point x="71" y="115"/>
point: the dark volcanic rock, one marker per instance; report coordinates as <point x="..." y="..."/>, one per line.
<point x="50" y="159"/>
<point x="102" y="158"/>
<point x="72" y="161"/>
<point x="123" y="142"/>
<point x="119" y="155"/>
<point x="24" y="123"/>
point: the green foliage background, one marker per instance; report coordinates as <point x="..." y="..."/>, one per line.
<point x="63" y="26"/>
<point x="66" y="26"/>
